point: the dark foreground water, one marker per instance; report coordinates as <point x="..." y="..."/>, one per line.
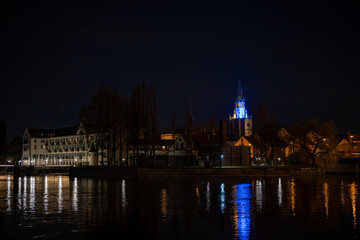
<point x="59" y="207"/>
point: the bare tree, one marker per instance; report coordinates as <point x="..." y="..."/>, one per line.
<point x="264" y="137"/>
<point x="152" y="119"/>
<point x="314" y="137"/>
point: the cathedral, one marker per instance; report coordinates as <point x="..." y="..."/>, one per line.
<point x="240" y="124"/>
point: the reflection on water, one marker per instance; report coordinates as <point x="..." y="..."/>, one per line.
<point x="353" y="193"/>
<point x="222" y="197"/>
<point x="32" y="194"/>
<point x="8" y="195"/>
<point x="75" y="195"/>
<point x="46" y="197"/>
<point x="207" y="197"/>
<point x="279" y="192"/>
<point x="326" y="199"/>
<point x="163" y="203"/>
<point x="188" y="209"/>
<point x="241" y="210"/>
<point x="259" y="194"/>
<point x="342" y="194"/>
<point x="197" y="194"/>
<point x="60" y="197"/>
<point x="292" y="196"/>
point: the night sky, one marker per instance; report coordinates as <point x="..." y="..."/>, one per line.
<point x="301" y="59"/>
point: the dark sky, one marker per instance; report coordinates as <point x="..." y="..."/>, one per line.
<point x="301" y="59"/>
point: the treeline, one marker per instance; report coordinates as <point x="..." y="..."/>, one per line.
<point x="9" y="152"/>
<point x="120" y="121"/>
<point x="305" y="139"/>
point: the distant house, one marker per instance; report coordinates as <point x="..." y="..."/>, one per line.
<point x="245" y="141"/>
<point x="349" y="146"/>
<point x="216" y="152"/>
<point x="171" y="150"/>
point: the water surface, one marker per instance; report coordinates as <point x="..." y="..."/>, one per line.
<point x="58" y="207"/>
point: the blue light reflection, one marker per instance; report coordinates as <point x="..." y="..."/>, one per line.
<point x="242" y="211"/>
<point x="222" y="197"/>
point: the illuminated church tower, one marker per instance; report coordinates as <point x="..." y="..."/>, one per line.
<point x="240" y="124"/>
<point x="240" y="110"/>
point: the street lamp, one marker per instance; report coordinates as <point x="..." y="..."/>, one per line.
<point x="351" y="137"/>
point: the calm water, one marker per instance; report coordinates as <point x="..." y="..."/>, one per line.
<point x="58" y="207"/>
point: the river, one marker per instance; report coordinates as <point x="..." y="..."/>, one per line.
<point x="60" y="207"/>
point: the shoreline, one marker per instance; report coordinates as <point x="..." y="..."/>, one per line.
<point x="133" y="172"/>
<point x="192" y="172"/>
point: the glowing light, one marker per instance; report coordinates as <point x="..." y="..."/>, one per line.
<point x="197" y="194"/>
<point x="259" y="194"/>
<point x="222" y="197"/>
<point x="292" y="196"/>
<point x="326" y="198"/>
<point x="123" y="194"/>
<point x="280" y="192"/>
<point x="242" y="211"/>
<point x="353" y="193"/>
<point x="24" y="206"/>
<point x="163" y="203"/>
<point x="60" y="197"/>
<point x="32" y="194"/>
<point x="19" y="193"/>
<point x="240" y="110"/>
<point x="8" y="196"/>
<point x="75" y="195"/>
<point x="46" y="199"/>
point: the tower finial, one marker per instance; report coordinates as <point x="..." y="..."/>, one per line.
<point x="240" y="92"/>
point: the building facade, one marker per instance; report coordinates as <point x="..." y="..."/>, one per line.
<point x="64" y="146"/>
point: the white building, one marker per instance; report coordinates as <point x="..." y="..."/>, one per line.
<point x="64" y="146"/>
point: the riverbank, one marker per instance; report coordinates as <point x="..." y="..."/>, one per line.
<point x="192" y="171"/>
<point x="35" y="170"/>
<point x="130" y="172"/>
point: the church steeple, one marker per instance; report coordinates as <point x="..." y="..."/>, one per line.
<point x="240" y="92"/>
<point x="240" y="110"/>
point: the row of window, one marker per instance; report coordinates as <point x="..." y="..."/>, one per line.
<point x="63" y="140"/>
<point x="62" y="155"/>
<point x="67" y="146"/>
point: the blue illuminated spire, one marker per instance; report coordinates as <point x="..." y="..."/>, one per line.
<point x="240" y="110"/>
